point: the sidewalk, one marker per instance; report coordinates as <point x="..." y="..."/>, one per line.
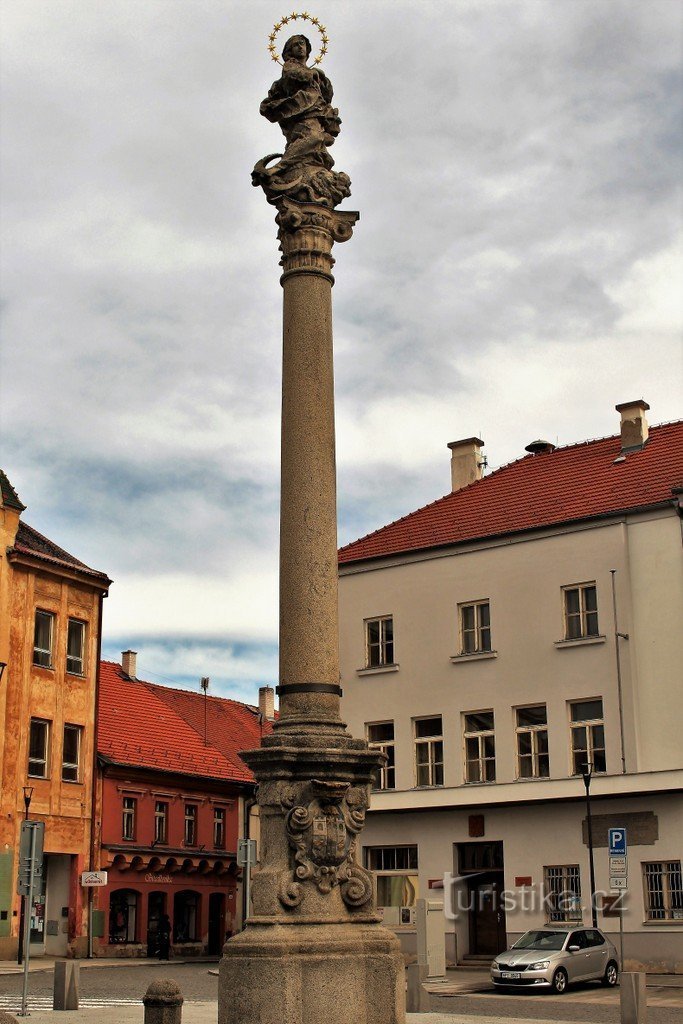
<point x="206" y="1013"/>
<point x="47" y="963"/>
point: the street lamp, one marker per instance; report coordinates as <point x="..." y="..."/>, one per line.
<point x="587" y="774"/>
<point x="28" y="794"/>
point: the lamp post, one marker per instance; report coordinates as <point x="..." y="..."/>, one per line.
<point x="28" y="794"/>
<point x="587" y="774"/>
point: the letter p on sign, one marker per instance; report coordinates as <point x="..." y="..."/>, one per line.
<point x="617" y="842"/>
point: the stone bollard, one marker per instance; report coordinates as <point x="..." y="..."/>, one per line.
<point x="633" y="997"/>
<point x="417" y="999"/>
<point x="163" y="1002"/>
<point x="65" y="993"/>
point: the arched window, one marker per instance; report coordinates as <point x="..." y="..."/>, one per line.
<point x="186" y="916"/>
<point x="123" y="916"/>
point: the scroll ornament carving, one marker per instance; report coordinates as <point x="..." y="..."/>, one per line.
<point x="322" y="835"/>
<point x="300" y="102"/>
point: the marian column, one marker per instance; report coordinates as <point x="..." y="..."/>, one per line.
<point x="314" y="949"/>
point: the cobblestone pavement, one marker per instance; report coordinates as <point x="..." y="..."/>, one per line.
<point x="119" y="989"/>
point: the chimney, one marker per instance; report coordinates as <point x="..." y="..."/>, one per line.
<point x="540" y="447"/>
<point x="467" y="462"/>
<point x="634" y="428"/>
<point x="129" y="663"/>
<point x="266" y="702"/>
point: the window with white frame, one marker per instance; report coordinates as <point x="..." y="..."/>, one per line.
<point x="190" y="824"/>
<point x="380" y="736"/>
<point x="428" y="734"/>
<point x="580" y="611"/>
<point x="588" y="736"/>
<point x="532" y="742"/>
<point x="663" y="890"/>
<point x="38" y="748"/>
<point x="71" y="753"/>
<point x="75" y="647"/>
<point x="475" y="627"/>
<point x="395" y="868"/>
<point x="129" y="817"/>
<point x="480" y="747"/>
<point x="562" y="885"/>
<point x="43" y="638"/>
<point x="379" y="642"/>
<point x="219" y="828"/>
<point x="160" y="821"/>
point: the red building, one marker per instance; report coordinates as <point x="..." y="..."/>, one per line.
<point x="171" y="797"/>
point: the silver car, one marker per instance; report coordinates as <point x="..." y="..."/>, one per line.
<point x="553" y="957"/>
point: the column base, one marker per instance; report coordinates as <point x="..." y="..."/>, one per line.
<point x="312" y="974"/>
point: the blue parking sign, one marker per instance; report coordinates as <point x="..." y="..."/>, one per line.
<point x="617" y="842"/>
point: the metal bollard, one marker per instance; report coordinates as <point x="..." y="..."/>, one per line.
<point x="417" y="997"/>
<point x="633" y="997"/>
<point x="65" y="992"/>
<point x="163" y="1002"/>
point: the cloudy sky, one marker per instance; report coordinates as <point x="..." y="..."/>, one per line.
<point x="515" y="273"/>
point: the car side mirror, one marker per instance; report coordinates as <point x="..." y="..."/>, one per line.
<point x="574" y="949"/>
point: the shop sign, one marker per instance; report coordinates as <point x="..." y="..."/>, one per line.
<point x="158" y="879"/>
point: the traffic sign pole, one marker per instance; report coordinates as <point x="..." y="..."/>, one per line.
<point x="27" y="925"/>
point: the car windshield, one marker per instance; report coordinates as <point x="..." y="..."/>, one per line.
<point x="541" y="940"/>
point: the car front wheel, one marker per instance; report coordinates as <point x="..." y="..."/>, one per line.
<point x="560" y="981"/>
<point x="611" y="975"/>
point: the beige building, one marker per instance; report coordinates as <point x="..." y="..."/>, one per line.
<point x="50" y="616"/>
<point x="493" y="644"/>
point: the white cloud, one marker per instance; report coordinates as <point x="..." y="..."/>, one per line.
<point x="517" y="169"/>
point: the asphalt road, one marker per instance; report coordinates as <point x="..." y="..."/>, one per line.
<point x="111" y="986"/>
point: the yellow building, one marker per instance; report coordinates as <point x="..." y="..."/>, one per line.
<point x="50" y="616"/>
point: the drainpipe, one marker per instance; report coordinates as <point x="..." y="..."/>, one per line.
<point x="93" y="795"/>
<point x="617" y="637"/>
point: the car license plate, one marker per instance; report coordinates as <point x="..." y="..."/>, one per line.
<point x="513" y="975"/>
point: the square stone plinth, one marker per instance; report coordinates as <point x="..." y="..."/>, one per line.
<point x="312" y="974"/>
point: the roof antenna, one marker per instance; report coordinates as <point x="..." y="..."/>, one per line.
<point x="204" y="683"/>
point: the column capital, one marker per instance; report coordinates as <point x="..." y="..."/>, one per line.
<point x="307" y="232"/>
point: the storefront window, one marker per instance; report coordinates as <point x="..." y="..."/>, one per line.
<point x="186" y="916"/>
<point x="123" y="915"/>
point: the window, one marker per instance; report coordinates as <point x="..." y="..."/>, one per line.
<point x="123" y="915"/>
<point x="130" y="806"/>
<point x="381" y="737"/>
<point x="532" y="743"/>
<point x="563" y="892"/>
<point x="186" y="916"/>
<point x="588" y="736"/>
<point x="219" y="828"/>
<point x="396" y="870"/>
<point x="480" y="747"/>
<point x="580" y="611"/>
<point x="475" y="627"/>
<point x="190" y="825"/>
<point x="160" y="821"/>
<point x="663" y="890"/>
<point x="379" y="642"/>
<point x="75" y="647"/>
<point x="38" y="748"/>
<point x="71" y="753"/>
<point x="428" y="751"/>
<point x="42" y="639"/>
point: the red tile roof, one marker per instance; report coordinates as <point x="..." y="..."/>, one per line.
<point x="145" y="725"/>
<point x="29" y="542"/>
<point x="581" y="481"/>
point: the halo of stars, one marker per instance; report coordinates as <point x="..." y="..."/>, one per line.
<point x="284" y="20"/>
